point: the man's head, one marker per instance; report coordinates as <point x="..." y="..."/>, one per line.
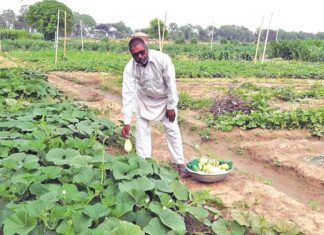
<point x="139" y="51"/>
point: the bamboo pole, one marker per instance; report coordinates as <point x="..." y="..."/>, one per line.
<point x="266" y="39"/>
<point x="81" y="35"/>
<point x="212" y="38"/>
<point x="164" y="28"/>
<point x="57" y="35"/>
<point x="258" y="42"/>
<point x="277" y="35"/>
<point x="160" y="46"/>
<point x="65" y="26"/>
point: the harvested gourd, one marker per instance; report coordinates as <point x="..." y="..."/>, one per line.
<point x="210" y="166"/>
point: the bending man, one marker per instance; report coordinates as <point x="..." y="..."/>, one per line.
<point x="149" y="90"/>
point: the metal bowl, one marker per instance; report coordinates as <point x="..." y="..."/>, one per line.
<point x="208" y="177"/>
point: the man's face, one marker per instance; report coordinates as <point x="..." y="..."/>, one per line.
<point x="140" y="54"/>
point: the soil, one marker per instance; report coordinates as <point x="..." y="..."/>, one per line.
<point x="209" y="88"/>
<point x="271" y="176"/>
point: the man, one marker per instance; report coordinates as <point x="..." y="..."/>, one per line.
<point x="149" y="89"/>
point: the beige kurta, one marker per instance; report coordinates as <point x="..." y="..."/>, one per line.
<point x="149" y="90"/>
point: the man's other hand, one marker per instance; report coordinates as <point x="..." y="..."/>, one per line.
<point x="125" y="131"/>
<point x="170" y="114"/>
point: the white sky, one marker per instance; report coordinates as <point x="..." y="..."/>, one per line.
<point x="290" y="15"/>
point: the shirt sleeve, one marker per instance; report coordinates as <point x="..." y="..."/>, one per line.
<point x="128" y="94"/>
<point x="170" y="81"/>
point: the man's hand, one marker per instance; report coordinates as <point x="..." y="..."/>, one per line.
<point x="170" y="114"/>
<point x="125" y="131"/>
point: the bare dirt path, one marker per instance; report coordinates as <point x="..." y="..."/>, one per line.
<point x="254" y="182"/>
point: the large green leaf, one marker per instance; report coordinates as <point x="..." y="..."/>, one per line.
<point x="166" y="173"/>
<point x="61" y="156"/>
<point x="142" y="218"/>
<point x="136" y="188"/>
<point x="38" y="189"/>
<point x="25" y="126"/>
<point x="155" y="227"/>
<point x="123" y="170"/>
<point x="172" y="220"/>
<point x="65" y="227"/>
<point x="52" y="172"/>
<point x="198" y="212"/>
<point x="69" y="193"/>
<point x="87" y="176"/>
<point x="180" y="190"/>
<point x="163" y="186"/>
<point x="20" y="223"/>
<point x="146" y="167"/>
<point x="38" y="207"/>
<point x="81" y="222"/>
<point x="224" y="227"/>
<point x="96" y="211"/>
<point x="242" y="217"/>
<point x="124" y="204"/>
<point x="127" y="228"/>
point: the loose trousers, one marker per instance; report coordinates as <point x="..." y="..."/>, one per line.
<point x="173" y="136"/>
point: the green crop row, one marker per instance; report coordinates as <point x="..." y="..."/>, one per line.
<point x="193" y="68"/>
<point x="304" y="50"/>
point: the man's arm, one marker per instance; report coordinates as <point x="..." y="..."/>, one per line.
<point x="128" y="95"/>
<point x="170" y="81"/>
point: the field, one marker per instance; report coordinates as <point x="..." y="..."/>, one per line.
<point x="274" y="135"/>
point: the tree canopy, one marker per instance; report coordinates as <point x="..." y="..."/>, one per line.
<point x="153" y="30"/>
<point x="43" y="17"/>
<point x="88" y="23"/>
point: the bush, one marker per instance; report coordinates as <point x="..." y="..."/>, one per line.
<point x="180" y="41"/>
<point x="13" y="34"/>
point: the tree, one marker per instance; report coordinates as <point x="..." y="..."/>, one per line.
<point x="187" y="31"/>
<point x="122" y="29"/>
<point x="153" y="29"/>
<point x="173" y="31"/>
<point x="8" y="18"/>
<point x="88" y="23"/>
<point x="43" y="17"/>
<point x="22" y="18"/>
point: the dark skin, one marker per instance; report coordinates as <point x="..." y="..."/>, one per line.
<point x="140" y="54"/>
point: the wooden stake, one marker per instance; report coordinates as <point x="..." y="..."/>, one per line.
<point x="159" y="35"/>
<point x="164" y="28"/>
<point x="258" y="43"/>
<point x="65" y="26"/>
<point x="81" y="35"/>
<point x="57" y="35"/>
<point x="266" y="39"/>
<point x="212" y="38"/>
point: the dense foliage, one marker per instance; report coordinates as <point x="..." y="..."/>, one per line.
<point x="43" y="17"/>
<point x="305" y="50"/>
<point x="14" y="34"/>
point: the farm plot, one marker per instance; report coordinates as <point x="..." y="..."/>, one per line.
<point x="280" y="181"/>
<point x="248" y="187"/>
<point x="57" y="178"/>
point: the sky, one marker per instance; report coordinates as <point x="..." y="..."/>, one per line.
<point x="289" y="15"/>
